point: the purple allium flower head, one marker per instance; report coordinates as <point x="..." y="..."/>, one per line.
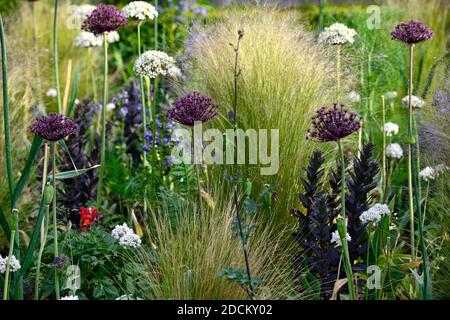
<point x="105" y="18"/>
<point x="53" y="127"/>
<point x="192" y="108"/>
<point x="411" y="32"/>
<point x="333" y="124"/>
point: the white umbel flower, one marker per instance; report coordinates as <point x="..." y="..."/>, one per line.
<point x="353" y="97"/>
<point x="131" y="240"/>
<point x="140" y="10"/>
<point x="126" y="236"/>
<point x="427" y="174"/>
<point x="337" y="33"/>
<point x="337" y="240"/>
<point x="51" y="92"/>
<point x="416" y="102"/>
<point x="374" y="214"/>
<point x="81" y="12"/>
<point x="110" y="107"/>
<point x="127" y="297"/>
<point x="113" y="36"/>
<point x="394" y="150"/>
<point x="14" y="264"/>
<point x="88" y="40"/>
<point x="153" y="64"/>
<point x="390" y="95"/>
<point x="120" y="230"/>
<point x="70" y="297"/>
<point x="390" y="129"/>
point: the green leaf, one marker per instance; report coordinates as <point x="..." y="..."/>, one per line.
<point x="28" y="260"/>
<point x="37" y="141"/>
<point x="72" y="173"/>
<point x="66" y="150"/>
<point x="4" y="223"/>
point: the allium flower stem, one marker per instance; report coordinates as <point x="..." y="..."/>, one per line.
<point x="156" y="26"/>
<point x="9" y="167"/>
<point x="55" y="221"/>
<point x="8" y="265"/>
<point x="103" y="130"/>
<point x="342" y="160"/>
<point x="338" y="72"/>
<point x="155" y="104"/>
<point x="427" y="192"/>
<point x="410" y="142"/>
<point x="44" y="225"/>
<point x="383" y="157"/>
<point x="197" y="172"/>
<point x="342" y="230"/>
<point x="55" y="57"/>
<point x="141" y="82"/>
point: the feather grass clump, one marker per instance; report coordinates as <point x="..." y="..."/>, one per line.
<point x="285" y="76"/>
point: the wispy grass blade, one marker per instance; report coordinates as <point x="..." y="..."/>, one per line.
<point x="73" y="90"/>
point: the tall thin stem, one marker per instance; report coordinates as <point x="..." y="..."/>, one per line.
<point x="7" y="134"/>
<point x="338" y="72"/>
<point x="383" y="158"/>
<point x="141" y="82"/>
<point x="156" y="27"/>
<point x="103" y="132"/>
<point x="235" y="190"/>
<point x="55" y="220"/>
<point x="410" y="155"/>
<point x="342" y="160"/>
<point x="155" y="105"/>
<point x="41" y="252"/>
<point x="55" y="56"/>
<point x="8" y="266"/>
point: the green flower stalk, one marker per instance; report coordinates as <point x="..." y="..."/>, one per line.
<point x="141" y="81"/>
<point x="8" y="266"/>
<point x="342" y="229"/>
<point x="55" y="56"/>
<point x="156" y="27"/>
<point x="55" y="221"/>
<point x="383" y="157"/>
<point x="103" y="120"/>
<point x="411" y="33"/>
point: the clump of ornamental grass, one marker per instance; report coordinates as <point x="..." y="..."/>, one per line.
<point x="189" y="252"/>
<point x="284" y="76"/>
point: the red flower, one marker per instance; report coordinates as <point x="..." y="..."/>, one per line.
<point x="87" y="216"/>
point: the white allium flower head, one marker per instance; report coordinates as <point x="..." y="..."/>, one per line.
<point x="374" y="214"/>
<point x="14" y="264"/>
<point x="416" y="102"/>
<point x="110" y="106"/>
<point x="70" y="297"/>
<point x="337" y="33"/>
<point x="174" y="72"/>
<point x="153" y="64"/>
<point x="81" y="12"/>
<point x="427" y="174"/>
<point x="390" y="95"/>
<point x="88" y="40"/>
<point x="113" y="36"/>
<point x="337" y="240"/>
<point x="120" y="230"/>
<point x="140" y="10"/>
<point x="77" y="101"/>
<point x="394" y="150"/>
<point x="51" y="92"/>
<point x="130" y="240"/>
<point x="390" y="129"/>
<point x="353" y="97"/>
